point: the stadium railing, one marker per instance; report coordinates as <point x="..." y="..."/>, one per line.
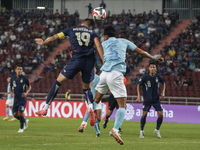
<point x="130" y="98"/>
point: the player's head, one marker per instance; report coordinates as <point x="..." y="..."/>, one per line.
<point x="89" y="23"/>
<point x="152" y="68"/>
<point x="8" y="79"/>
<point x="18" y="69"/>
<point x="109" y="31"/>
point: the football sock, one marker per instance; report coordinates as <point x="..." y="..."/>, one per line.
<point x="88" y="96"/>
<point x="142" y="123"/>
<point x="7" y="111"/>
<point x="17" y="118"/>
<point x="107" y="116"/>
<point x="52" y="94"/>
<point x="119" y="118"/>
<point x="12" y="113"/>
<point x="159" y="122"/>
<point x="86" y="117"/>
<point x="21" y="120"/>
<point x="96" y="127"/>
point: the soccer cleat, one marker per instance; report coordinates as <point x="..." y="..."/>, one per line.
<point x="20" y="130"/>
<point x="92" y="117"/>
<point x="141" y="134"/>
<point x="81" y="128"/>
<point x="13" y="119"/>
<point x="116" y="135"/>
<point x="6" y="118"/>
<point x="120" y="130"/>
<point x="26" y="124"/>
<point x="98" y="135"/>
<point x="157" y="132"/>
<point x="105" y="123"/>
<point x="41" y="113"/>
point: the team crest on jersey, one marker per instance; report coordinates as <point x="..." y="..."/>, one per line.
<point x="21" y="80"/>
<point x="140" y="79"/>
<point x="14" y="84"/>
<point x="156" y="79"/>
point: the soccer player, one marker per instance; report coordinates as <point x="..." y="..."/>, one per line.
<point x="112" y="74"/>
<point x="150" y="83"/>
<point x="82" y="39"/>
<point x="112" y="104"/>
<point x="9" y="102"/>
<point x="97" y="110"/>
<point x="19" y="83"/>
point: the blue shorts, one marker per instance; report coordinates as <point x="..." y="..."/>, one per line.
<point x="85" y="65"/>
<point x="19" y="106"/>
<point x="157" y="105"/>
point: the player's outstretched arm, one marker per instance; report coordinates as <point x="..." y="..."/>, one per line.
<point x="11" y="91"/>
<point x="147" y="55"/>
<point x="47" y="41"/>
<point x="138" y="92"/>
<point x="99" y="48"/>
<point x="163" y="91"/>
<point x="26" y="93"/>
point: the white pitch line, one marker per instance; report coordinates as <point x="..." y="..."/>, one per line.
<point x="46" y="144"/>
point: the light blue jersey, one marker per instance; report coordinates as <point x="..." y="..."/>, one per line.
<point x="8" y="91"/>
<point x="115" y="54"/>
<point x="94" y="84"/>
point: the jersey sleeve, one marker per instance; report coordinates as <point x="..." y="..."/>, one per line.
<point x="131" y="45"/>
<point x="93" y="35"/>
<point x="64" y="33"/>
<point x="141" y="80"/>
<point x="27" y="82"/>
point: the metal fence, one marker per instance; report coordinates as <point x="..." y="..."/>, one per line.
<point x="29" y="5"/>
<point x="187" y="9"/>
<point x="130" y="98"/>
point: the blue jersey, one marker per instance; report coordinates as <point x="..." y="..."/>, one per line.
<point x="8" y="91"/>
<point x="19" y="85"/>
<point x="115" y="54"/>
<point x="151" y="87"/>
<point x="81" y="39"/>
<point x="94" y="84"/>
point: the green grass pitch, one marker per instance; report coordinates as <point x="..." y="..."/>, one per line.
<point x="62" y="134"/>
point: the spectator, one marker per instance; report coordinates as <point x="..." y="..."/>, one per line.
<point x="165" y="14"/>
<point x="190" y="82"/>
<point x="89" y="10"/>
<point x="172" y="52"/>
<point x="56" y="13"/>
<point x="142" y="70"/>
<point x="192" y="66"/>
<point x="177" y="81"/>
<point x="103" y="4"/>
<point x="76" y="14"/>
<point x="46" y="68"/>
<point x="37" y="78"/>
<point x="66" y="12"/>
<point x="68" y="95"/>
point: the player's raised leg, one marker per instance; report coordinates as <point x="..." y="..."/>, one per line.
<point x="119" y="118"/>
<point x="52" y="93"/>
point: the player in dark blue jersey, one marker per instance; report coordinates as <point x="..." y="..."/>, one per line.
<point x="19" y="83"/>
<point x="151" y="83"/>
<point x="82" y="39"/>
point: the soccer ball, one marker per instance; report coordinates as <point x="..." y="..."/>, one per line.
<point x="99" y="14"/>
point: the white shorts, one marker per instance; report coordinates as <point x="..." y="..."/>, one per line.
<point x="114" y="81"/>
<point x="97" y="107"/>
<point x="10" y="102"/>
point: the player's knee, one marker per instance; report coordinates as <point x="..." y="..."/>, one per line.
<point x="160" y="115"/>
<point x="15" y="115"/>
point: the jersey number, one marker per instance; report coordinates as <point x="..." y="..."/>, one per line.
<point x="114" y="51"/>
<point x="84" y="36"/>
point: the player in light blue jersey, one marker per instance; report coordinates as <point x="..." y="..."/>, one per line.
<point x="9" y="101"/>
<point x="97" y="109"/>
<point x="112" y="74"/>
